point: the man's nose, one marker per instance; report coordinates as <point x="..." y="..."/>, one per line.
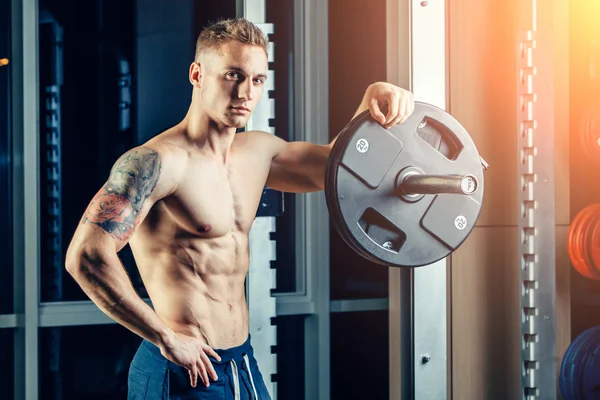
<point x="246" y="90"/>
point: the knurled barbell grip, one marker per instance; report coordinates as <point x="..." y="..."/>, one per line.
<point x="438" y="184"/>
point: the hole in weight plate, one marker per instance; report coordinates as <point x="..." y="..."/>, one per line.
<point x="438" y="136"/>
<point x="381" y="231"/>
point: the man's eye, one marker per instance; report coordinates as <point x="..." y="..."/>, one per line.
<point x="259" y="80"/>
<point x="233" y="75"/>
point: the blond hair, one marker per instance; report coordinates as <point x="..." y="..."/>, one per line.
<point x="223" y="31"/>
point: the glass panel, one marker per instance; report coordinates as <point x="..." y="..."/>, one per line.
<point x="86" y="362"/>
<point x="7" y="359"/>
<point x="80" y="363"/>
<point x="280" y="13"/>
<point x="6" y="257"/>
<point x="359" y="354"/>
<point x="103" y="92"/>
<point x="85" y="121"/>
<point x="290" y="346"/>
<point x="352" y="276"/>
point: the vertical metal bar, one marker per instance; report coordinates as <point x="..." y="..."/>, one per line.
<point x="535" y="72"/>
<point x="255" y="10"/>
<point x="31" y="193"/>
<point x="430" y="322"/>
<point x="240" y="8"/>
<point x="317" y="363"/>
<point x="51" y="81"/>
<point x="298" y="101"/>
<point x="17" y="203"/>
<point x="429" y="312"/>
<point x="261" y="305"/>
<point x="418" y="297"/>
<point x="303" y="241"/>
<point x="261" y="277"/>
<point x="399" y="61"/>
<point x="26" y="196"/>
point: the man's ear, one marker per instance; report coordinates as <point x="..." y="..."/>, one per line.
<point x="195" y="73"/>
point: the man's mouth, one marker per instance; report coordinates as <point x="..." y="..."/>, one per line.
<point x="241" y="109"/>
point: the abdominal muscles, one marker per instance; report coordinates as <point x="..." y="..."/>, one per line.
<point x="196" y="285"/>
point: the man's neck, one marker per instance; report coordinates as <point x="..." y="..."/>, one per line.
<point x="207" y="134"/>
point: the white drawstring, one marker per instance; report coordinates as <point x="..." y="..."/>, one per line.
<point x="246" y="360"/>
<point x="236" y="378"/>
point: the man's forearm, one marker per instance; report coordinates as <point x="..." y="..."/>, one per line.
<point x="106" y="283"/>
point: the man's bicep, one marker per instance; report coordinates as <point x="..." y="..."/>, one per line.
<point x="131" y="188"/>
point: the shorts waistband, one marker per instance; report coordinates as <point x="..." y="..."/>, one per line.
<point x="234" y="353"/>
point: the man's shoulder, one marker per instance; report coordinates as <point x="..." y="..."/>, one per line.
<point x="166" y="148"/>
<point x="165" y="158"/>
<point x="255" y="135"/>
<point x="259" y="140"/>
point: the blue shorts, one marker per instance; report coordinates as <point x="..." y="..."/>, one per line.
<point x="153" y="377"/>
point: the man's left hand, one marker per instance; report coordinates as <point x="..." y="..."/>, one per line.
<point x="397" y="102"/>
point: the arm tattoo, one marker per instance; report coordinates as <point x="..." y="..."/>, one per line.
<point x="117" y="206"/>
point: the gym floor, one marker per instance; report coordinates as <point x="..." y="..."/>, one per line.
<point x="147" y="46"/>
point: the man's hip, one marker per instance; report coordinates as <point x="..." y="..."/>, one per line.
<point x="153" y="377"/>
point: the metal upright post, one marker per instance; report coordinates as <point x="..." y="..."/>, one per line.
<point x="261" y="278"/>
<point x="418" y="297"/>
<point x="535" y="73"/>
<point x="26" y="196"/>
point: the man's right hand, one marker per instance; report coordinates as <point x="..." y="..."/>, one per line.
<point x="192" y="354"/>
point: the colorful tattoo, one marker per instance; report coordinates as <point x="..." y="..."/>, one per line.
<point x="117" y="206"/>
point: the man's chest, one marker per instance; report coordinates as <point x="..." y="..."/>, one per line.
<point x="215" y="200"/>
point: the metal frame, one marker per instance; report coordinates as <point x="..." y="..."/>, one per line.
<point x="312" y="295"/>
<point x="261" y="279"/>
<point x="316" y="119"/>
<point x="337" y="306"/>
<point x="25" y="193"/>
<point x="73" y="313"/>
<point x="411" y="305"/>
<point x="261" y="305"/>
<point x="8" y="321"/>
<point x="80" y="313"/>
<point x="418" y="311"/>
<point x="307" y="50"/>
<point x="298" y="298"/>
<point x="535" y="90"/>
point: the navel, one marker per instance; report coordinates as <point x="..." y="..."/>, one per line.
<point x="204" y="228"/>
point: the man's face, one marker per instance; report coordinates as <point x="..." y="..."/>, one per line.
<point x="231" y="82"/>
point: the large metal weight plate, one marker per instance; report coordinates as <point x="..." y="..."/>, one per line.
<point x="590" y="131"/>
<point x="591" y="376"/>
<point x="362" y="197"/>
<point x="579" y="371"/>
<point x="584" y="242"/>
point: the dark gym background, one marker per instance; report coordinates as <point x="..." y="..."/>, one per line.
<point x="6" y="256"/>
<point x="114" y="73"/>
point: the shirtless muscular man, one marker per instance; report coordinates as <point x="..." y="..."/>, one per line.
<point x="185" y="201"/>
